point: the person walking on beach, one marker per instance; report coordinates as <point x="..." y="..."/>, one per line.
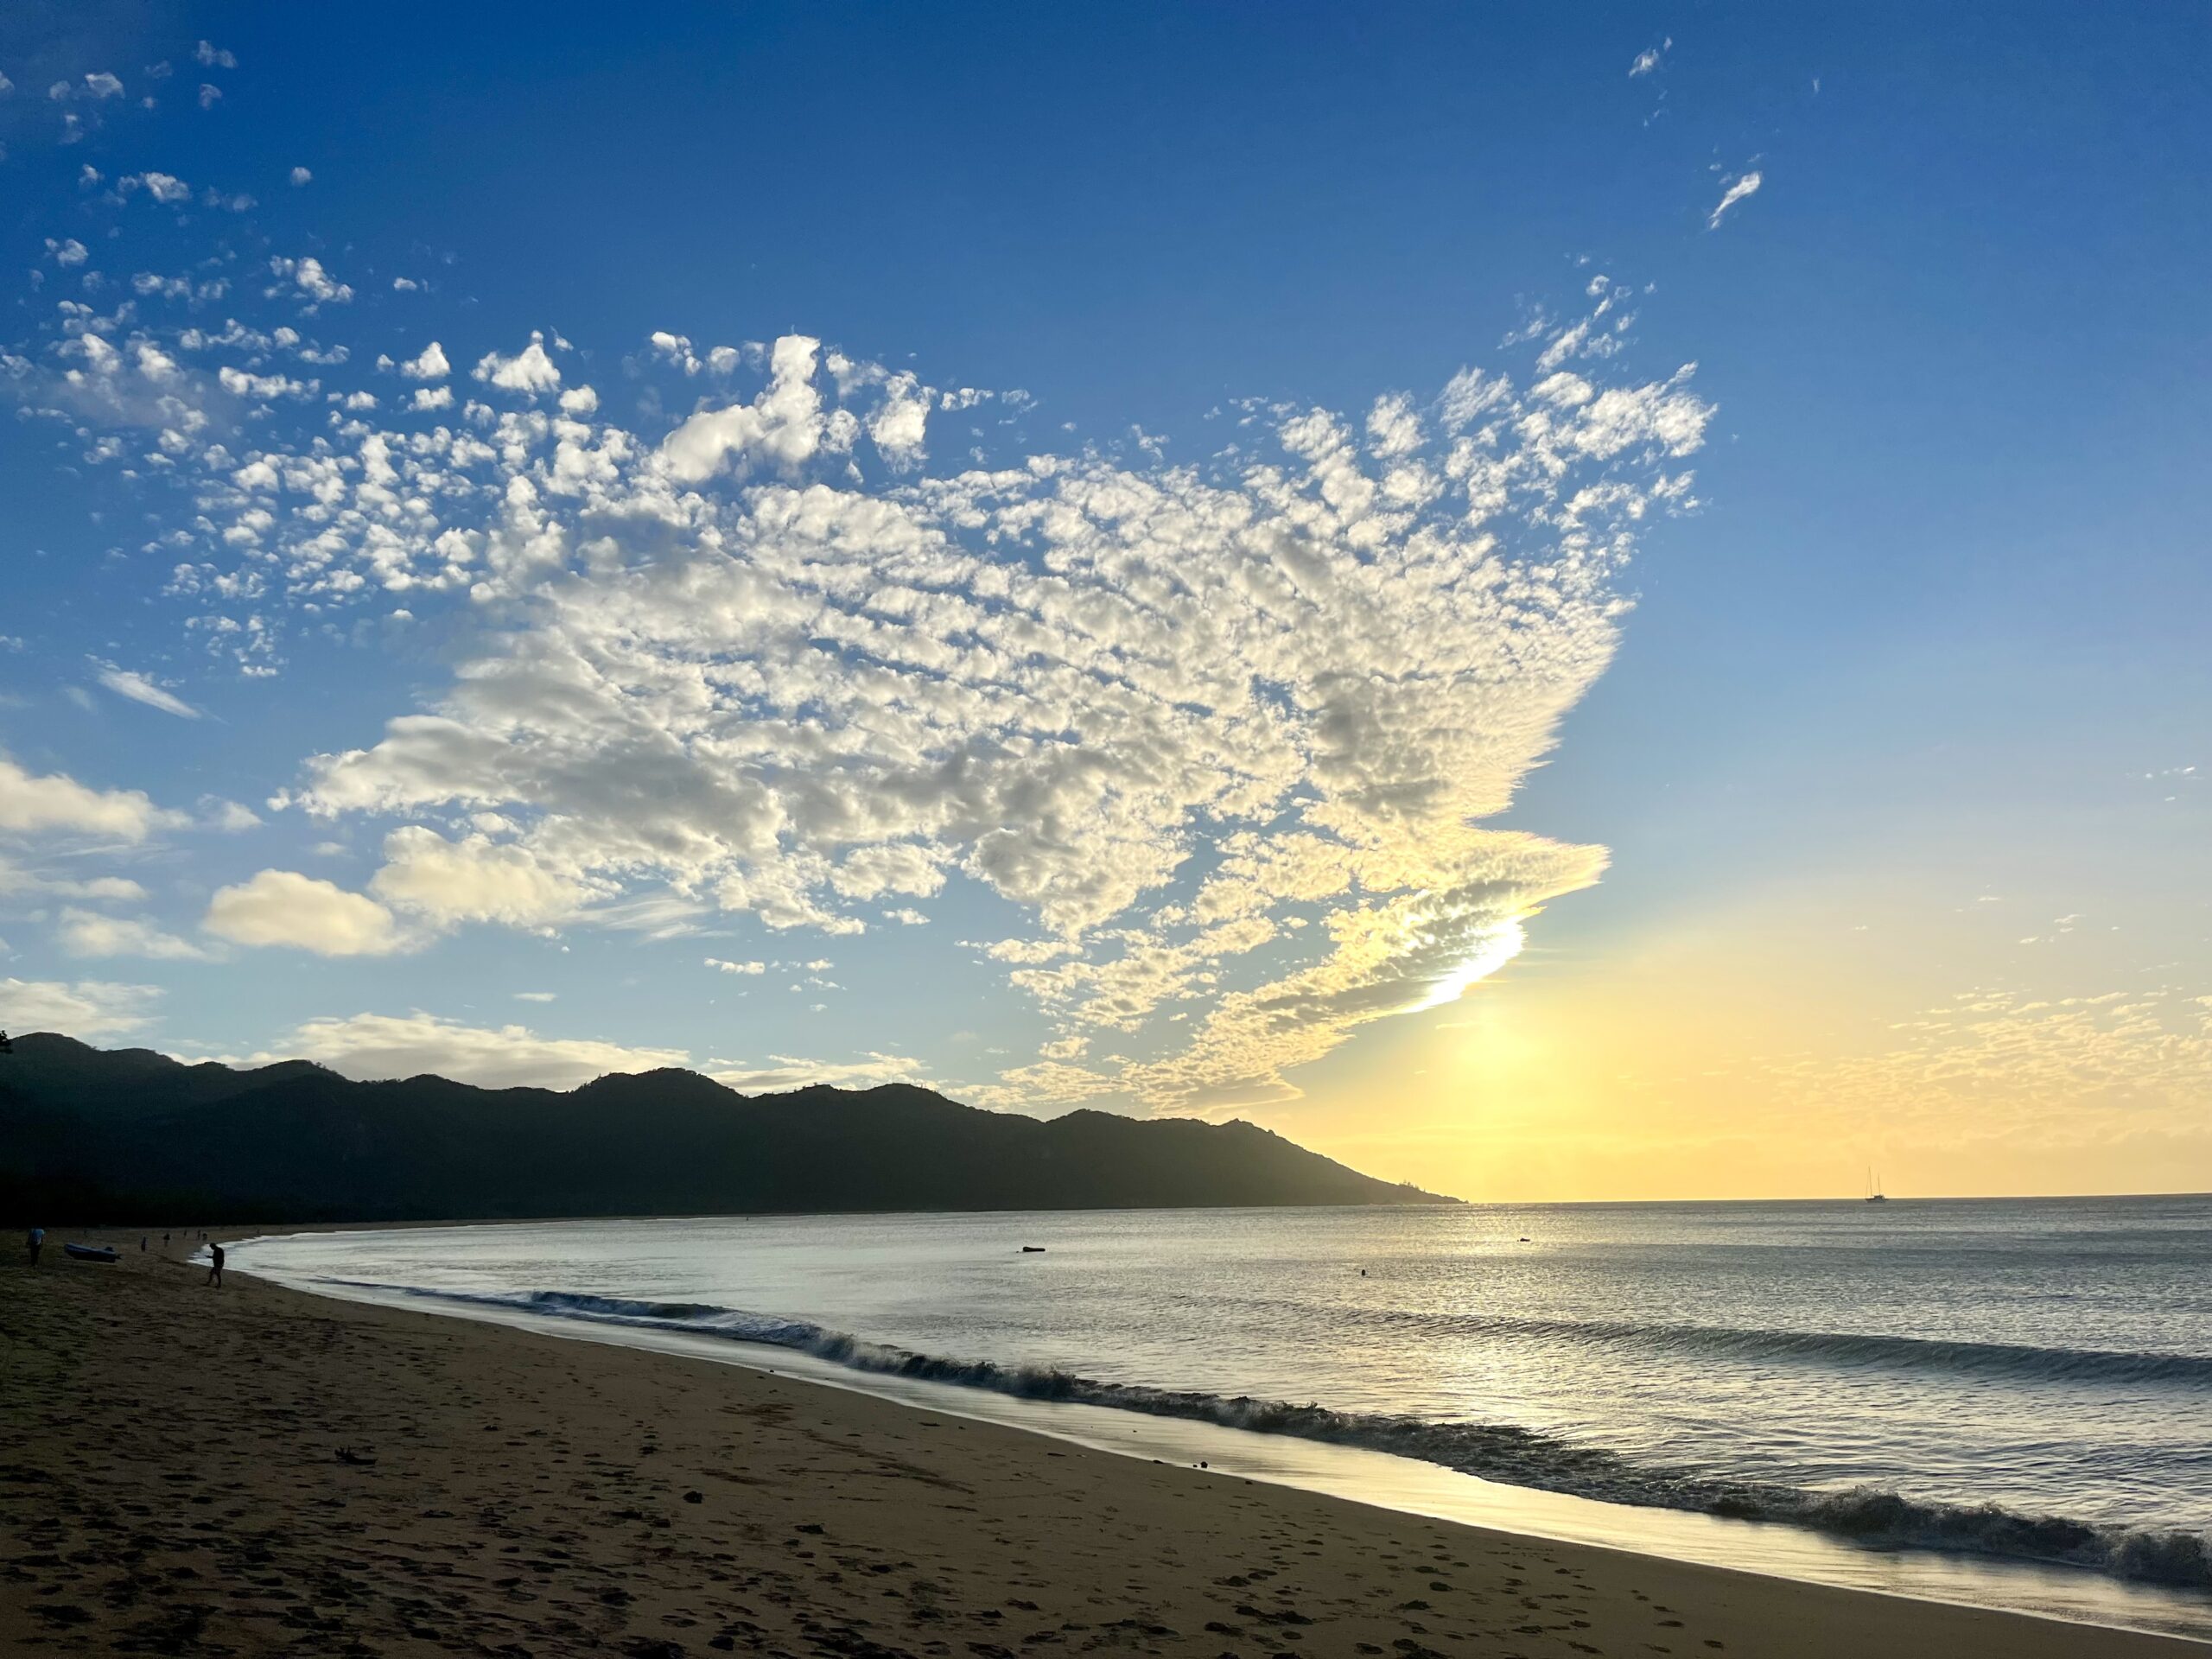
<point x="37" y="1243"/>
<point x="215" y="1271"/>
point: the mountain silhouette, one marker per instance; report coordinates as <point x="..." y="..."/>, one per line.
<point x="89" y="1134"/>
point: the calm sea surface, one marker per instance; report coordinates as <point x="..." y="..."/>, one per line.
<point x="2022" y="1381"/>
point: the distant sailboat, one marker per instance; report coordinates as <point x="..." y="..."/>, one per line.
<point x="1874" y="1193"/>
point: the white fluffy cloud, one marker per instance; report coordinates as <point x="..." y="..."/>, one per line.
<point x="88" y="933"/>
<point x="901" y="422"/>
<point x="17" y="882"/>
<point x="783" y="427"/>
<point x="784" y="1072"/>
<point x="282" y="908"/>
<point x="373" y="1045"/>
<point x="473" y="879"/>
<point x="530" y="369"/>
<point x="229" y="816"/>
<point x="56" y="802"/>
<point x="429" y="363"/>
<point x="87" y="1009"/>
<point x="310" y="280"/>
<point x="161" y="186"/>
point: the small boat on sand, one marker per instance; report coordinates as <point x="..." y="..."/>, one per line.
<point x="93" y="1252"/>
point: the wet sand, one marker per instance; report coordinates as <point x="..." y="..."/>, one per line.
<point x="250" y="1471"/>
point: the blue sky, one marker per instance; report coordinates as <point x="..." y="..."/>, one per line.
<point x="1905" y="615"/>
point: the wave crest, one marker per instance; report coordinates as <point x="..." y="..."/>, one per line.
<point x="1498" y="1452"/>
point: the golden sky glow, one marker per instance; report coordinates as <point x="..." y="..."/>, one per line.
<point x="1774" y="1051"/>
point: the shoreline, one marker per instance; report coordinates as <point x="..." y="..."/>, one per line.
<point x="1367" y="1459"/>
<point x="144" y="1413"/>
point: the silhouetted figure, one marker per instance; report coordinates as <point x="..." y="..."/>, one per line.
<point x="36" y="1240"/>
<point x="144" y="1239"/>
<point x="165" y="1244"/>
<point x="215" y="1271"/>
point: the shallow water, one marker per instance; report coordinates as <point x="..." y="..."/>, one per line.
<point x="2006" y="1382"/>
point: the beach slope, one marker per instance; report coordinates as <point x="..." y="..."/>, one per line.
<point x="248" y="1470"/>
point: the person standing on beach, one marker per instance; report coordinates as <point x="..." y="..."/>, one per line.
<point x="37" y="1243"/>
<point x="215" y="1271"/>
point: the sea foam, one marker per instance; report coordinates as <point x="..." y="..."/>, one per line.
<point x="1869" y="1516"/>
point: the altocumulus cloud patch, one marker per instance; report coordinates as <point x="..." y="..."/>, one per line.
<point x="1231" y="734"/>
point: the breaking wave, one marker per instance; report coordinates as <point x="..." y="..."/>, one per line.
<point x="1874" y="1518"/>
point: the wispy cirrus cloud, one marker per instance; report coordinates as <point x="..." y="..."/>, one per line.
<point x="2073" y="1069"/>
<point x="1739" y="189"/>
<point x="125" y="682"/>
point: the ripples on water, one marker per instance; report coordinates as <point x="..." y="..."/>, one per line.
<point x="2031" y="1379"/>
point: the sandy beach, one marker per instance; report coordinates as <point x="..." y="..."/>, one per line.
<point x="250" y="1471"/>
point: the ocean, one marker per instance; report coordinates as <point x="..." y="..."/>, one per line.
<point x="2002" y="1402"/>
